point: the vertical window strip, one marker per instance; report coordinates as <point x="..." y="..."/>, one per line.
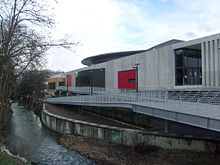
<point x="213" y="58"/>
<point x="209" y="66"/>
<point x="204" y="61"/>
<point x="218" y="54"/>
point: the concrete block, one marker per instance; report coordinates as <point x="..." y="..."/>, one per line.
<point x="68" y="127"/>
<point x="53" y="123"/>
<point x="100" y="133"/>
<point x="77" y="129"/>
<point x="59" y="125"/>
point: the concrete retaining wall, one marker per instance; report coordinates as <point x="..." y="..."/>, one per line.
<point x="124" y="136"/>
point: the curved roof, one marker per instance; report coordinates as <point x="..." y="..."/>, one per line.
<point x="108" y="56"/>
<point x="111" y="56"/>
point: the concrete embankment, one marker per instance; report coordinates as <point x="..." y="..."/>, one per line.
<point x="125" y="136"/>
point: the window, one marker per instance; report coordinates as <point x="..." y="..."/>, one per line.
<point x="51" y="85"/>
<point x="131" y="81"/>
<point x="188" y="67"/>
<point x="61" y="83"/>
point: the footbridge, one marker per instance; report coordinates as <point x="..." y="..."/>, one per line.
<point x="193" y="111"/>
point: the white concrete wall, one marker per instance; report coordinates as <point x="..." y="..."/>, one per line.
<point x="155" y="69"/>
<point x="211" y="63"/>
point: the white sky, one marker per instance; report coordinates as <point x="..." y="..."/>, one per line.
<point x="103" y="26"/>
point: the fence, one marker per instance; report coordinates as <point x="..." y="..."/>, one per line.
<point x="193" y="108"/>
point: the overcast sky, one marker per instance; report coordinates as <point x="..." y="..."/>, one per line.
<point x="103" y="26"/>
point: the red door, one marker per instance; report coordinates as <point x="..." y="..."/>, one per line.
<point x="126" y="79"/>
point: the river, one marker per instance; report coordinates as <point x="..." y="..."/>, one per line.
<point x="30" y="139"/>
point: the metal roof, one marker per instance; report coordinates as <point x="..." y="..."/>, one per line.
<point x="115" y="55"/>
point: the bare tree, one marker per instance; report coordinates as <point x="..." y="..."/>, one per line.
<point x="21" y="45"/>
<point x="30" y="89"/>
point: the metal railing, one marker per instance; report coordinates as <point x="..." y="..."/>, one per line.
<point x="192" y="108"/>
<point x="121" y="92"/>
<point x="200" y="96"/>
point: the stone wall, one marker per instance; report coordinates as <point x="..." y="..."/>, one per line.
<point x="124" y="136"/>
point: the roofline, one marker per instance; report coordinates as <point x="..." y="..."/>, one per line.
<point x="115" y="55"/>
<point x="196" y="41"/>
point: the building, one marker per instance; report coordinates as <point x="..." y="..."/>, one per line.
<point x="174" y="64"/>
<point x="55" y="81"/>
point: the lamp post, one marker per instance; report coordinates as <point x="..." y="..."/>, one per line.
<point x="67" y="85"/>
<point x="136" y="68"/>
<point x="91" y="83"/>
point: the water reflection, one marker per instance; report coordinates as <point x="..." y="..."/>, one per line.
<point x="34" y="142"/>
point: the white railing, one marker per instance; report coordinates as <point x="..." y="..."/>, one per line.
<point x="193" y="108"/>
<point x="121" y="92"/>
<point x="208" y="97"/>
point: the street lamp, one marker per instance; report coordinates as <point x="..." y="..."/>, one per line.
<point x="91" y="83"/>
<point x="91" y="86"/>
<point x="67" y="85"/>
<point x="136" y="68"/>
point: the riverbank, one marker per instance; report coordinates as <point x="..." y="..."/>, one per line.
<point x="105" y="153"/>
<point x="6" y="157"/>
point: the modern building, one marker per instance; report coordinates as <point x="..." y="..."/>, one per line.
<point x="54" y="82"/>
<point x="174" y="64"/>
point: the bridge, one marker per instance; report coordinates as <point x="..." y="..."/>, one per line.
<point x="200" y="108"/>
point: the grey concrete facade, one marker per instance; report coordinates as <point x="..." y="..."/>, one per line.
<point x="157" y="66"/>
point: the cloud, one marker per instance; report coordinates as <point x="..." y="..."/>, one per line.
<point x="190" y="35"/>
<point x="118" y="25"/>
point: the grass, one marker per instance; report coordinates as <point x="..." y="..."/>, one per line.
<point x="180" y="157"/>
<point x="8" y="160"/>
<point x="105" y="153"/>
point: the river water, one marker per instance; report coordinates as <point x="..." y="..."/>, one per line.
<point x="31" y="140"/>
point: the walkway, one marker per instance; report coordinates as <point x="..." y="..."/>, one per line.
<point x="86" y="116"/>
<point x="197" y="114"/>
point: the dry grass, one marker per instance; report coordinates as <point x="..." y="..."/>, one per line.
<point x="105" y="153"/>
<point x="178" y="157"/>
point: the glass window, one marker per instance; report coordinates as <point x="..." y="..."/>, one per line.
<point x="192" y="62"/>
<point x="179" y="60"/>
<point x="200" y="62"/>
<point x="179" y="52"/>
<point x="188" y="67"/>
<point x="131" y="81"/>
<point x="179" y="80"/>
<point x="179" y="72"/>
<point x="51" y="85"/>
<point x="61" y="83"/>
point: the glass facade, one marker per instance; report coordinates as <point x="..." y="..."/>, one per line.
<point x="93" y="77"/>
<point x="188" y="67"/>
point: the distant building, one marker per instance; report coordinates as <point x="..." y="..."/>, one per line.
<point x="174" y="64"/>
<point x="55" y="81"/>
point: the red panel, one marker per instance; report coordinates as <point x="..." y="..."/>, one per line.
<point x="69" y="80"/>
<point x="123" y="79"/>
